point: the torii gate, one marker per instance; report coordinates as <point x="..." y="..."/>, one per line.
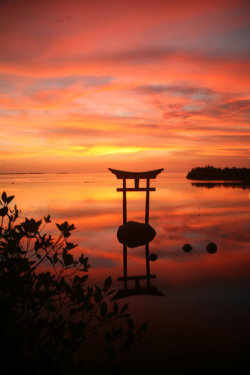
<point x="133" y="234"/>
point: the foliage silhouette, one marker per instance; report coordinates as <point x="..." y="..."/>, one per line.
<point x="212" y="173"/>
<point x="47" y="311"/>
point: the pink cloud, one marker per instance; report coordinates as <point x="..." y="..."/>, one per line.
<point x="76" y="74"/>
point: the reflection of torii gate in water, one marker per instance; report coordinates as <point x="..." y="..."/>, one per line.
<point x="134" y="234"/>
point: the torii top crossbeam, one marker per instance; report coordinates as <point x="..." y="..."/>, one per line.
<point x="136" y="175"/>
<point x="125" y="175"/>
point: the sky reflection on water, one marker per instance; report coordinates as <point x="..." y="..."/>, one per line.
<point x="205" y="308"/>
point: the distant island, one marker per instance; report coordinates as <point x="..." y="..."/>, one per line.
<point x="210" y="173"/>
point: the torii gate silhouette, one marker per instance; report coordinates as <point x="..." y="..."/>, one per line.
<point x="133" y="234"/>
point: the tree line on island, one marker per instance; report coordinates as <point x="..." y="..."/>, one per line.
<point x="211" y="173"/>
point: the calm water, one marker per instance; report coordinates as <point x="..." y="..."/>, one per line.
<point x="202" y="321"/>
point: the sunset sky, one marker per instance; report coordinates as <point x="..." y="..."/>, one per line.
<point x="87" y="85"/>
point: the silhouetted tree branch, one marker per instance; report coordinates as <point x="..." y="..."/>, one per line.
<point x="47" y="309"/>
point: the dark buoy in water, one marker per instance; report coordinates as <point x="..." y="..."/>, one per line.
<point x="153" y="257"/>
<point x="187" y="248"/>
<point x="211" y="248"/>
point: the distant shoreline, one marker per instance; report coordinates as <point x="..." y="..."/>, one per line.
<point x="31" y="173"/>
<point x="22" y="173"/>
<point x="210" y="173"/>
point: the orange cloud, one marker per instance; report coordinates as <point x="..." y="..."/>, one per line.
<point x="155" y="81"/>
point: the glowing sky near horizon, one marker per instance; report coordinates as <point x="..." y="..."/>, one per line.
<point x="86" y="85"/>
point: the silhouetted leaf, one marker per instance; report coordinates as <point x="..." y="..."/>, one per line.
<point x="115" y="308"/>
<point x="125" y="315"/>
<point x="98" y="294"/>
<point x="31" y="226"/>
<point x="10" y="198"/>
<point x="108" y="282"/>
<point x="37" y="245"/>
<point x="82" y="259"/>
<point x="7" y="199"/>
<point x="103" y="309"/>
<point x="124" y="308"/>
<point x="143" y="328"/>
<point x="4" y="197"/>
<point x="47" y="219"/>
<point x="71" y="227"/>
<point x="84" y="278"/>
<point x="65" y="228"/>
<point x="71" y="245"/>
<point x="3" y="211"/>
<point x="111" y="292"/>
<point x="58" y="226"/>
<point x="68" y="259"/>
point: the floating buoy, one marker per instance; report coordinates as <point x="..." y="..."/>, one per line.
<point x="211" y="248"/>
<point x="153" y="257"/>
<point x="187" y="248"/>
